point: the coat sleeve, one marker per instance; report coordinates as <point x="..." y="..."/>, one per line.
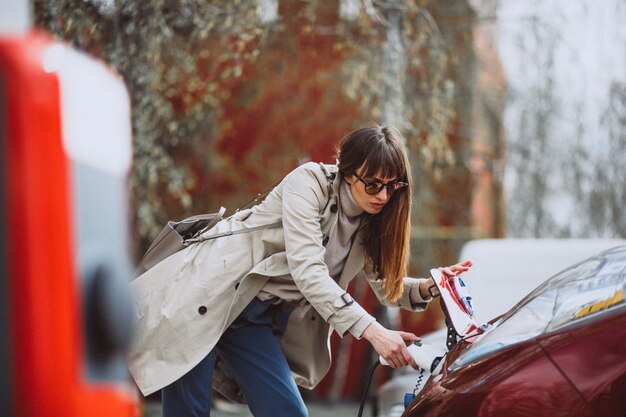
<point x="410" y="299"/>
<point x="302" y="199"/>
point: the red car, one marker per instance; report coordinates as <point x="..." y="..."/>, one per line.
<point x="561" y="351"/>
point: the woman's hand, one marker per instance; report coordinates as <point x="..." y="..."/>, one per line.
<point x="391" y="345"/>
<point x="453" y="270"/>
<point x="449" y="271"/>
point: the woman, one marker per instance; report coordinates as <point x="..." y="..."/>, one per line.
<point x="250" y="315"/>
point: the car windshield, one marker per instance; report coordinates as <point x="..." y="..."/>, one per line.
<point x="578" y="293"/>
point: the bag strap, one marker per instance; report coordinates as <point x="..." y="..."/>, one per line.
<point x="330" y="176"/>
<point x="219" y="215"/>
<point x="257" y="198"/>
<point x="191" y="241"/>
<point x="198" y="238"/>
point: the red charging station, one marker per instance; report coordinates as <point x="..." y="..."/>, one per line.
<point x="65" y="151"/>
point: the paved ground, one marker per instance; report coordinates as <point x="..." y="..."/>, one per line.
<point x="153" y="409"/>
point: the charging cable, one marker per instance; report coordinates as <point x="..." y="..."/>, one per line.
<point x="367" y="387"/>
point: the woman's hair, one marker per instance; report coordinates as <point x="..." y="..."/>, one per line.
<point x="377" y="151"/>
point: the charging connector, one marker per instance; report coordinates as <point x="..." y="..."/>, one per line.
<point x="427" y="357"/>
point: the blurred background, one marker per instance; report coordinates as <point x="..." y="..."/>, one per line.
<point x="514" y="113"/>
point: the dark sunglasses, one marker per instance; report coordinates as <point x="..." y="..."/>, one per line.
<point x="374" y="187"/>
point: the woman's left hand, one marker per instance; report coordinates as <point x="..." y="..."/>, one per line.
<point x="454" y="270"/>
<point x="448" y="271"/>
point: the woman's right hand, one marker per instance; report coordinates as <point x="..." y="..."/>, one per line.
<point x="391" y="345"/>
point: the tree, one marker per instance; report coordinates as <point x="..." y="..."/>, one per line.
<point x="565" y="118"/>
<point x="178" y="58"/>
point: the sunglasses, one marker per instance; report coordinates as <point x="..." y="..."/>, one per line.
<point x="374" y="187"/>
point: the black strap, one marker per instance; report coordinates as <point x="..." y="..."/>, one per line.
<point x="257" y="197"/>
<point x="330" y="176"/>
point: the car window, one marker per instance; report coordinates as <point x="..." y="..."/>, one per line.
<point x="583" y="299"/>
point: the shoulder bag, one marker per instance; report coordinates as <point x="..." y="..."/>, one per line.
<point x="177" y="235"/>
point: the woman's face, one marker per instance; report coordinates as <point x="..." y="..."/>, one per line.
<point x="372" y="204"/>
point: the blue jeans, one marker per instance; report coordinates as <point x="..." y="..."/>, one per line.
<point x="250" y="348"/>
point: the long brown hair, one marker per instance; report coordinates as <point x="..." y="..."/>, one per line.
<point x="378" y="151"/>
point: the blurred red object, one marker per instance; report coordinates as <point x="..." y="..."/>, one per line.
<point x="49" y="368"/>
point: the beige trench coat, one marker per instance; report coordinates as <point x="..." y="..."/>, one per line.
<point x="186" y="302"/>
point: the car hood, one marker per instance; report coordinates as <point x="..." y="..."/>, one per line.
<point x="586" y="291"/>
